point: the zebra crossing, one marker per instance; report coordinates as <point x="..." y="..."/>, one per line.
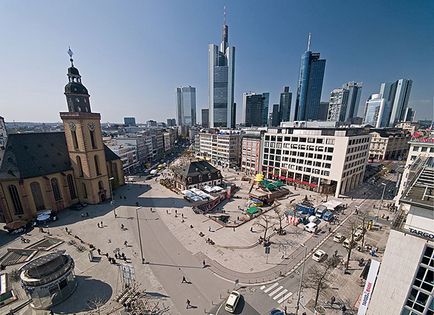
<point x="276" y="292"/>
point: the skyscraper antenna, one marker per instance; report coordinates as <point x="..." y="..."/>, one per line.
<point x="224" y="15"/>
<point x="308" y="41"/>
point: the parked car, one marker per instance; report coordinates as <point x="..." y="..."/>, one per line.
<point x="276" y="311"/>
<point x="348" y="243"/>
<point x="311" y="227"/>
<point x="358" y="234"/>
<point x="314" y="219"/>
<point x="338" y="238"/>
<point x="328" y="216"/>
<point x="319" y="255"/>
<point x="232" y="301"/>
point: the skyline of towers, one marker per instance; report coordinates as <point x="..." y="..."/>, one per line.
<point x="186" y="105"/>
<point x="344" y="102"/>
<point x="221" y="76"/>
<point x="309" y="85"/>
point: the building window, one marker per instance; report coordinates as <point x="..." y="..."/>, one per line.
<point x="79" y="166"/>
<point x="71" y="186"/>
<point x="74" y="139"/>
<point x="16" y="199"/>
<point x="419" y="298"/>
<point x="92" y="139"/>
<point x="37" y="196"/>
<point x="84" y="190"/>
<point x="96" y="159"/>
<point x="56" y="190"/>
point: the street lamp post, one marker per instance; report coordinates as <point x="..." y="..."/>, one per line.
<point x="140" y="236"/>
<point x="301" y="280"/>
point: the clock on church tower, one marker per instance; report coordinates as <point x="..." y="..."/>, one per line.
<point x="84" y="140"/>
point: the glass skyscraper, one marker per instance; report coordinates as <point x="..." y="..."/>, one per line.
<point x="186" y="105"/>
<point x="309" y="86"/>
<point x="396" y="94"/>
<point x="285" y="104"/>
<point x="255" y="109"/>
<point x="374" y="112"/>
<point x="344" y="102"/>
<point x="221" y="74"/>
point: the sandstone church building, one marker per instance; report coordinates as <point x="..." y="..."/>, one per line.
<point x="54" y="170"/>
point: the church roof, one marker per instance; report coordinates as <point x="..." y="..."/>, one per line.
<point x="38" y="154"/>
<point x="199" y="171"/>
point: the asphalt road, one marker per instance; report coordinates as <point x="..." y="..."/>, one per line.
<point x="170" y="262"/>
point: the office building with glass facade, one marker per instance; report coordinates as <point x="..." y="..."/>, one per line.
<point x="255" y="109"/>
<point x="186" y="105"/>
<point x="221" y="75"/>
<point x="374" y="111"/>
<point x="309" y="86"/>
<point x="285" y="104"/>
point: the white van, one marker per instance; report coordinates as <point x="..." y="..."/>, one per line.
<point x="232" y="301"/>
<point x="311" y="227"/>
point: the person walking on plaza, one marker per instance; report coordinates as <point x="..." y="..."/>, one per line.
<point x="188" y="304"/>
<point x="184" y="280"/>
<point x="204" y="263"/>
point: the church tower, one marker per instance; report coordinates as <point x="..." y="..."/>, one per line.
<point x="84" y="140"/>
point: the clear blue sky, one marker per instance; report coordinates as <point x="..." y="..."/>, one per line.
<point x="133" y="54"/>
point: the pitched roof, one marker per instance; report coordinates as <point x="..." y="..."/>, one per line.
<point x="195" y="168"/>
<point x="38" y="154"/>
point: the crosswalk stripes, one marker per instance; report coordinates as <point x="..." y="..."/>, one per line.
<point x="276" y="292"/>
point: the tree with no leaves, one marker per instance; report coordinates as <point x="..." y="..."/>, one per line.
<point x="280" y="214"/>
<point x="95" y="304"/>
<point x="265" y="224"/>
<point x="351" y="229"/>
<point x="317" y="276"/>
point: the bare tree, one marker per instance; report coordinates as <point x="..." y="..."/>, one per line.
<point x="364" y="217"/>
<point x="265" y="224"/>
<point x="352" y="230"/>
<point x="317" y="277"/>
<point x="95" y="304"/>
<point x="281" y="215"/>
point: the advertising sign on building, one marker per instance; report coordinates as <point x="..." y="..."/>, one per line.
<point x="369" y="286"/>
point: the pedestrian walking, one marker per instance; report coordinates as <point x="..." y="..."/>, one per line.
<point x="97" y="224"/>
<point x="209" y="229"/>
<point x="332" y="300"/>
<point x="122" y="227"/>
<point x="184" y="280"/>
<point x="251" y="229"/>
<point x="204" y="263"/>
<point x="188" y="304"/>
<point x="102" y="224"/>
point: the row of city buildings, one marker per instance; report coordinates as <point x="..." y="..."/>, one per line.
<point x="329" y="157"/>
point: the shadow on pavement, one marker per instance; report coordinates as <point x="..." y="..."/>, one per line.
<point x="88" y="293"/>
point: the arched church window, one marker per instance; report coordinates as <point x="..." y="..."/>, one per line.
<point x="16" y="199"/>
<point x="56" y="190"/>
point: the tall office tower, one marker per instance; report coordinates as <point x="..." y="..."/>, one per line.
<point x="275" y="116"/>
<point x="409" y="114"/>
<point x="354" y="91"/>
<point x="186" y="105"/>
<point x="205" y="117"/>
<point x="171" y="122"/>
<point x="374" y="112"/>
<point x="396" y="95"/>
<point x="309" y="85"/>
<point x="344" y="102"/>
<point x="323" y="110"/>
<point x="285" y="104"/>
<point x="221" y="74"/>
<point x="129" y="121"/>
<point x="255" y="109"/>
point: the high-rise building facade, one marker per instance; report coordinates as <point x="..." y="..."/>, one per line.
<point x="275" y="115"/>
<point x="344" y="102"/>
<point x="221" y="75"/>
<point x="309" y="86"/>
<point x="186" y="105"/>
<point x="129" y="121"/>
<point x="409" y="114"/>
<point x="255" y="109"/>
<point x="285" y="104"/>
<point x="205" y="117"/>
<point x="396" y="95"/>
<point x="171" y="122"/>
<point x="375" y="106"/>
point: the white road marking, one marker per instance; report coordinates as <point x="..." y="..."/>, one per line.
<point x="280" y="294"/>
<point x="285" y="297"/>
<point x="275" y="291"/>
<point x="263" y="287"/>
<point x="271" y="287"/>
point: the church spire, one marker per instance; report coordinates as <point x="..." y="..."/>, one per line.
<point x="76" y="93"/>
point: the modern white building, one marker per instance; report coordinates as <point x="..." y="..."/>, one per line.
<point x="405" y="283"/>
<point x="221" y="76"/>
<point x="186" y="105"/>
<point x="374" y="111"/>
<point x="221" y="147"/>
<point x="318" y="155"/>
